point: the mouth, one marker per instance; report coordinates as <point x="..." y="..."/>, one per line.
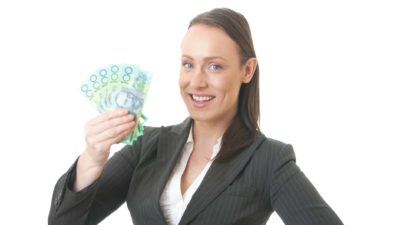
<point x="201" y="98"/>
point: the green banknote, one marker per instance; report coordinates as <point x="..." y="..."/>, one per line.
<point x="119" y="86"/>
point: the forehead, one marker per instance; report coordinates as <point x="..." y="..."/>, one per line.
<point x="203" y="41"/>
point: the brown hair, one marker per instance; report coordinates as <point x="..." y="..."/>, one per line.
<point x="244" y="126"/>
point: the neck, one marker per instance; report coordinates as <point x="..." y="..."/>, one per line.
<point x="210" y="131"/>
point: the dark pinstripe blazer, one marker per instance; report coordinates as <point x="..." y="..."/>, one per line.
<point x="244" y="190"/>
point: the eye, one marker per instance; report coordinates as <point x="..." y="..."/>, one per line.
<point x="187" y="65"/>
<point x="214" y="67"/>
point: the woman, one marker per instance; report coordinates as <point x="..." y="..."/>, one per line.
<point x="214" y="168"/>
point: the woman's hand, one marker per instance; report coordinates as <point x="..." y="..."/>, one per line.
<point x="106" y="130"/>
<point x="100" y="133"/>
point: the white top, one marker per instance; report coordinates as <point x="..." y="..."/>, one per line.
<point x="172" y="202"/>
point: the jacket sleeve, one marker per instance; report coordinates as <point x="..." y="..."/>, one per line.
<point x="95" y="202"/>
<point x="294" y="197"/>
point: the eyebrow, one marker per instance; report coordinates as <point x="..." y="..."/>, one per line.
<point x="206" y="58"/>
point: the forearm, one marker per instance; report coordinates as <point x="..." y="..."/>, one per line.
<point x="105" y="191"/>
<point x="68" y="206"/>
<point x="87" y="172"/>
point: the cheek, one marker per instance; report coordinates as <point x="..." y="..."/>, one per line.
<point x="228" y="86"/>
<point x="182" y="80"/>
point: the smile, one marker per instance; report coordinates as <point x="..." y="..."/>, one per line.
<point x="201" y="98"/>
<point x="201" y="101"/>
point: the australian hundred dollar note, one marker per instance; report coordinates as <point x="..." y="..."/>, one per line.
<point x="119" y="86"/>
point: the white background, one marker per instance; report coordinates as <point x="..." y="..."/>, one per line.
<point x="329" y="86"/>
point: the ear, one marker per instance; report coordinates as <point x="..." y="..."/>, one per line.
<point x="249" y="69"/>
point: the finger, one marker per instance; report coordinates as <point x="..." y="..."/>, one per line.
<point x="105" y="125"/>
<point x="119" y="137"/>
<point x="113" y="132"/>
<point x="108" y="142"/>
<point x="107" y="116"/>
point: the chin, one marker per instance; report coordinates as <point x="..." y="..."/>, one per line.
<point x="199" y="116"/>
<point x="203" y="117"/>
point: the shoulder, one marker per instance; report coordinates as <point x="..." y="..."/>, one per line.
<point x="274" y="151"/>
<point x="150" y="134"/>
<point x="272" y="145"/>
<point x="268" y="157"/>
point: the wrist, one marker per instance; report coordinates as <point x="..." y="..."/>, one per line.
<point x="94" y="160"/>
<point x="87" y="171"/>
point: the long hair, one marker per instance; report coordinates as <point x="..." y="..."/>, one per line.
<point x="244" y="126"/>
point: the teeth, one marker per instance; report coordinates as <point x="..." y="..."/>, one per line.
<point x="202" y="98"/>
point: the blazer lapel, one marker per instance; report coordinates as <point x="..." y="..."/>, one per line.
<point x="217" y="179"/>
<point x="170" y="145"/>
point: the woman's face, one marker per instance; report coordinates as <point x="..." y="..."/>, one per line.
<point x="211" y="74"/>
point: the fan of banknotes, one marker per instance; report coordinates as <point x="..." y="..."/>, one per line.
<point x="119" y="86"/>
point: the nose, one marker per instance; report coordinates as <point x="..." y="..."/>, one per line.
<point x="198" y="79"/>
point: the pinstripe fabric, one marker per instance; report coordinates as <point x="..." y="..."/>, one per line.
<point x="261" y="179"/>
